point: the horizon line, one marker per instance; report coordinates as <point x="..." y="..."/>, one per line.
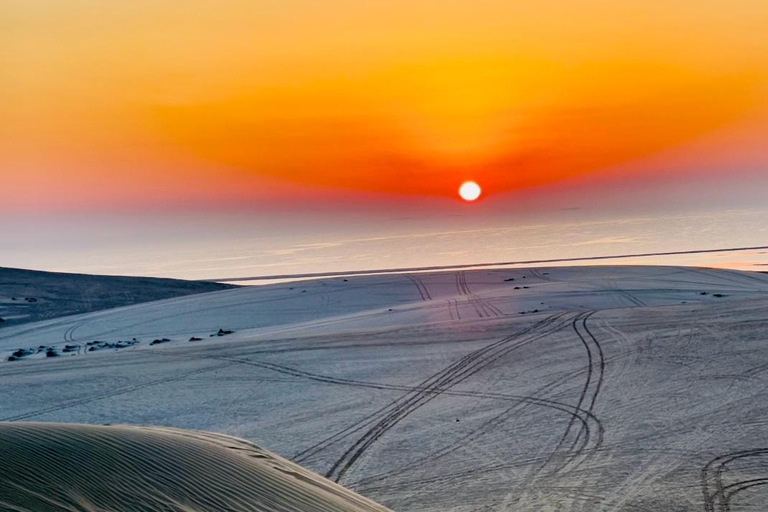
<point x="473" y="265"/>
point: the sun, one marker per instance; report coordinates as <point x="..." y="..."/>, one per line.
<point x="469" y="191"/>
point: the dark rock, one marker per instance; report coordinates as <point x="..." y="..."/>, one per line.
<point x="193" y="338"/>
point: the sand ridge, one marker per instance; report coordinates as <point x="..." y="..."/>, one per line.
<point x="73" y="467"/>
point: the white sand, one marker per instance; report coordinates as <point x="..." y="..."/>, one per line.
<point x="627" y="391"/>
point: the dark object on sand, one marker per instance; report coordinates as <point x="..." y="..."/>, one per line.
<point x="517" y="287"/>
<point x="11" y="358"/>
<point x="510" y="279"/>
<point x="702" y="293"/>
<point x="30" y="299"/>
<point x="223" y="332"/>
<point x="2" y="319"/>
<point x="193" y="338"/>
<point x="718" y="295"/>
<point x="158" y="341"/>
<point x="20" y="353"/>
<point x="51" y="352"/>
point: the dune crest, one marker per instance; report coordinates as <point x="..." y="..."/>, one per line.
<point x="56" y="467"/>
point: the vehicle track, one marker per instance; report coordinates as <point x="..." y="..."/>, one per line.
<point x="433" y="387"/>
<point x="591" y="425"/>
<point x="712" y="477"/>
<point x="69" y="334"/>
<point x="453" y="309"/>
<point x="539" y="275"/>
<point x="482" y="307"/>
<point x="109" y="394"/>
<point x="423" y="291"/>
<point x="204" y="308"/>
<point x="582" y="416"/>
<point x="595" y="365"/>
<point x="424" y="385"/>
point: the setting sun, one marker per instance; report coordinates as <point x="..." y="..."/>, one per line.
<point x="469" y="191"/>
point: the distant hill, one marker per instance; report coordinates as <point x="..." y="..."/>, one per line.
<point x="31" y="295"/>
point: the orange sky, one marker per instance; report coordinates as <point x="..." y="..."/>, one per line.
<point x="146" y="102"/>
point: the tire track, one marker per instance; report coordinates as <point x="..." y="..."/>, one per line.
<point x="433" y="387"/>
<point x="712" y="476"/>
<point x="482" y="307"/>
<point x="599" y="361"/>
<point x="590" y="391"/>
<point x="69" y="333"/>
<point x="583" y="416"/>
<point x="422" y="386"/>
<point x="117" y="392"/>
<point x="423" y="291"/>
<point x="587" y="420"/>
<point x="453" y="309"/>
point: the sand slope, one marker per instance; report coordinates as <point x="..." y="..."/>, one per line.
<point x="31" y="295"/>
<point x="56" y="467"/>
<point x="632" y="389"/>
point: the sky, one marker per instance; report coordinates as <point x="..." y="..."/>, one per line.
<point x="182" y="120"/>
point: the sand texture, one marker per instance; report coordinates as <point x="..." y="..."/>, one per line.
<point x="590" y="389"/>
<point x="58" y="466"/>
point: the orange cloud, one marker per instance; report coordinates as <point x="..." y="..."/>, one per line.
<point x="335" y="136"/>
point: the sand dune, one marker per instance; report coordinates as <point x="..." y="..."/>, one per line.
<point x="30" y="295"/>
<point x="585" y="389"/>
<point x="56" y="467"/>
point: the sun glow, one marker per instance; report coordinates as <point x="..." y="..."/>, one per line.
<point x="469" y="191"/>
